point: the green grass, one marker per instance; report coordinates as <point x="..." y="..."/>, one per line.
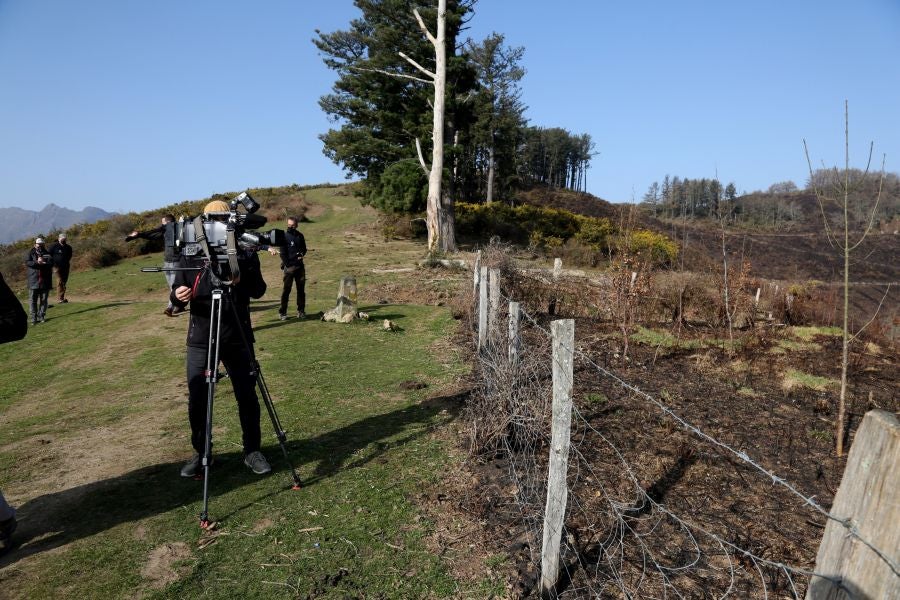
<point x="93" y="431"/>
<point x="794" y="378"/>
<point x="823" y="435"/>
<point x="663" y="339"/>
<point x="810" y="333"/>
<point x="792" y="346"/>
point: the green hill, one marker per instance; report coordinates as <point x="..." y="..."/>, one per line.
<point x="93" y="430"/>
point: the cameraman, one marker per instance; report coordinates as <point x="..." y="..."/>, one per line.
<point x="40" y="279"/>
<point x="195" y="286"/>
<point x="166" y="232"/>
<point x="292" y="253"/>
<point x="13" y="326"/>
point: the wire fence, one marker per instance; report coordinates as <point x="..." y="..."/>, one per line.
<point x="633" y="527"/>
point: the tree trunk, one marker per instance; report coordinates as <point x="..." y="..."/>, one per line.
<point x="441" y="235"/>
<point x="490" y="176"/>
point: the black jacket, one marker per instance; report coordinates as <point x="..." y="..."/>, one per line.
<point x="251" y="285"/>
<point x="62" y="255"/>
<point x="294" y="249"/>
<point x="13" y="320"/>
<point x="40" y="276"/>
<point x="165" y="232"/>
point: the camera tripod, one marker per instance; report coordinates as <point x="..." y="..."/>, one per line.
<point x="212" y="376"/>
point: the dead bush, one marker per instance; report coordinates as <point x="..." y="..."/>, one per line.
<point x="809" y="303"/>
<point x="399" y="226"/>
<point x="510" y="411"/>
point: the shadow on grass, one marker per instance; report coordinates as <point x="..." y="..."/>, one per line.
<point x="376" y="311"/>
<point x="56" y="519"/>
<point x="70" y="313"/>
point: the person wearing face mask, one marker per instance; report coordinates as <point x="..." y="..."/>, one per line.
<point x="292" y="253"/>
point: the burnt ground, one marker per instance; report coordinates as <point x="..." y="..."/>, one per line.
<point x="746" y="401"/>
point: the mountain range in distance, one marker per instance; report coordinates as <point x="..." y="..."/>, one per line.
<point x="18" y="224"/>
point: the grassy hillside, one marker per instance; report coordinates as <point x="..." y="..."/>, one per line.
<point x="93" y="431"/>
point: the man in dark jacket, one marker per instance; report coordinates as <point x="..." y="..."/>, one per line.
<point x="13" y="326"/>
<point x="165" y="232"/>
<point x="292" y="253"/>
<point x="40" y="279"/>
<point x="61" y="252"/>
<point x="235" y="349"/>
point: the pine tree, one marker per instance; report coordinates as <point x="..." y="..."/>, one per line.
<point x="379" y="103"/>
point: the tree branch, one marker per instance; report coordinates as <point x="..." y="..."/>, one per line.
<point x="391" y="74"/>
<point x="418" y="66"/>
<point x="832" y="241"/>
<point x="875" y="207"/>
<point x="424" y="29"/>
<point x="877" y="310"/>
<point x="421" y="158"/>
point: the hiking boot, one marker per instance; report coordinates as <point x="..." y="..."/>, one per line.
<point x="168" y="311"/>
<point x="6" y="530"/>
<point x="301" y="315"/>
<point x="282" y="317"/>
<point x="194" y="467"/>
<point x="257" y="463"/>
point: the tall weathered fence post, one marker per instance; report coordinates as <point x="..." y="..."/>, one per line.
<point x="482" y="306"/>
<point x="476" y="272"/>
<point x="514" y="341"/>
<point x="493" y="305"/>
<point x="557" y="271"/>
<point x="869" y="496"/>
<point x="563" y="332"/>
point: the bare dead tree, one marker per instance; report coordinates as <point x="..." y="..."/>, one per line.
<point x="439" y="217"/>
<point x="840" y="240"/>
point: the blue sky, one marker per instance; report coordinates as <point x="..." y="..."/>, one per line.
<point x="129" y="105"/>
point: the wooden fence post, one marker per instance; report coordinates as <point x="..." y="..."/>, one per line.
<point x="557" y="271"/>
<point x="493" y="304"/>
<point x="563" y="332"/>
<point x="514" y="341"/>
<point x="868" y="497"/>
<point x="482" y="306"/>
<point x="476" y="272"/>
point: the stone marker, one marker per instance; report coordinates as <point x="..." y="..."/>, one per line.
<point x="345" y="311"/>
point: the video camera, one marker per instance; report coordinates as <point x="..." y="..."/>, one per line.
<point x="221" y="229"/>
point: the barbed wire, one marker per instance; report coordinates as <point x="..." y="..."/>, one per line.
<point x="846" y="522"/>
<point x="624" y="513"/>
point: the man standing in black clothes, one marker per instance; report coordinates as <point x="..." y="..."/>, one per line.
<point x="13" y="326"/>
<point x="292" y="254"/>
<point x="195" y="286"/>
<point x="40" y="279"/>
<point x="61" y="252"/>
<point x="166" y="232"/>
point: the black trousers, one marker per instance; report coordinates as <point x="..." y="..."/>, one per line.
<point x="62" y="278"/>
<point x="298" y="276"/>
<point x="239" y="365"/>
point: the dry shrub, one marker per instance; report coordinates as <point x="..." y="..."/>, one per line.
<point x="510" y="410"/>
<point x="630" y="291"/>
<point x="575" y="252"/>
<point x="676" y="296"/>
<point x="809" y="303"/>
<point x="399" y="226"/>
<point x="95" y="255"/>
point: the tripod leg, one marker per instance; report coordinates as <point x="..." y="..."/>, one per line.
<point x="211" y="372"/>
<point x="276" y="424"/>
<point x="267" y="399"/>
